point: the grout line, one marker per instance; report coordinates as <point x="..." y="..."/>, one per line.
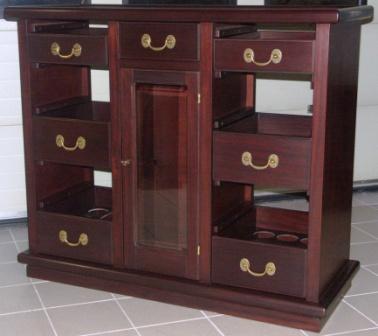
<point x="126" y="315"/>
<point x="364" y="243"/>
<point x="361" y="294"/>
<point x="36" y="291"/>
<point x="369" y="270"/>
<point x="212" y="323"/>
<point x="366" y="232"/>
<point x="147" y="326"/>
<point x="361" y="313"/>
<point x="79" y="304"/>
<point x="8" y="262"/>
<point x="368" y="265"/>
<point x="22" y="284"/>
<point x="365" y="222"/>
<point x="351" y="331"/>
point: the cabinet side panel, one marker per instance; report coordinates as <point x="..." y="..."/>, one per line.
<point x="335" y="97"/>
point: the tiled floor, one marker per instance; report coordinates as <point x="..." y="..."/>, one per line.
<point x="33" y="307"/>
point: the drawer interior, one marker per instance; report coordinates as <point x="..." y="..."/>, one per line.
<point x="82" y="200"/>
<point x="78" y="108"/>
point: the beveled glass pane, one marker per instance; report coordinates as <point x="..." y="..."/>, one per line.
<point x="162" y="166"/>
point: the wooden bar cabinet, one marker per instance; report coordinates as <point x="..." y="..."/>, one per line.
<point x="186" y="149"/>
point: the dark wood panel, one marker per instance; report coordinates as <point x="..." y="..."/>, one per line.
<point x="98" y="248"/>
<point x="95" y="134"/>
<point x="94" y="51"/>
<point x="185" y="48"/>
<point x="297" y="56"/>
<point x="281" y="219"/>
<point x="192" y="14"/>
<point x="293" y="169"/>
<point x="290" y="266"/>
<point x="335" y="99"/>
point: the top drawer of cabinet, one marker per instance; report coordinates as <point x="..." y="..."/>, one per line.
<point x="266" y="51"/>
<point x="159" y="41"/>
<point x="81" y="47"/>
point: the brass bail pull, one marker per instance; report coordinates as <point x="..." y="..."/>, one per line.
<point x="80" y="143"/>
<point x="275" y="57"/>
<point x="170" y="42"/>
<point x="75" y="51"/>
<point x="245" y="266"/>
<point x="83" y="239"/>
<point x="247" y="160"/>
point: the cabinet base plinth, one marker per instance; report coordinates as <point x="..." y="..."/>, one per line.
<point x="261" y="306"/>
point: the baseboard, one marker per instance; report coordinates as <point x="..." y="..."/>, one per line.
<point x="11" y="221"/>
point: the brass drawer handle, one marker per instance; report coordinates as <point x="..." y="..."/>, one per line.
<point x="270" y="268"/>
<point x="170" y="42"/>
<point x="247" y="160"/>
<point x="80" y="143"/>
<point x="75" y="51"/>
<point x="83" y="239"/>
<point x="275" y="57"/>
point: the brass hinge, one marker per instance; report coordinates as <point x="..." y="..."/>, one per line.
<point x="199" y="98"/>
<point x="198" y="250"/>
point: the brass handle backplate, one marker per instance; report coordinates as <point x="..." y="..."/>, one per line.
<point x="75" y="51"/>
<point x="83" y="239"/>
<point x="247" y="160"/>
<point x="245" y="266"/>
<point x="275" y="57"/>
<point x="146" y="41"/>
<point x="80" y="143"/>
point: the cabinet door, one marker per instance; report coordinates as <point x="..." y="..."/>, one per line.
<point x="160" y="180"/>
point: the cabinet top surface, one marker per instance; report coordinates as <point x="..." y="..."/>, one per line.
<point x="193" y="13"/>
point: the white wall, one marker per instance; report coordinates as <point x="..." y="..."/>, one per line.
<point x="290" y="97"/>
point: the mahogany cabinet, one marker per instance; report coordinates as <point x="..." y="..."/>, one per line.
<point x="187" y="150"/>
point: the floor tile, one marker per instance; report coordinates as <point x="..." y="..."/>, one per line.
<point x="89" y="318"/>
<point x="363" y="282"/>
<point x="30" y="324"/>
<point x="18" y="298"/>
<point x="364" y="214"/>
<point x="190" y="328"/>
<point x="371" y="228"/>
<point x="232" y="326"/>
<point x="367" y="304"/>
<point x="23" y="245"/>
<point x="8" y="252"/>
<point x="358" y="236"/>
<point x="119" y="333"/>
<point x="19" y="231"/>
<point x="5" y="236"/>
<point x="11" y="274"/>
<point x="371" y="332"/>
<point x="344" y="318"/>
<point x="145" y="312"/>
<point x="373" y="268"/>
<point x="365" y="253"/>
<point x="54" y="294"/>
<point x="368" y="197"/>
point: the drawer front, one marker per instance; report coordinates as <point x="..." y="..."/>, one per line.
<point x="72" y="142"/>
<point x="69" y="49"/>
<point x="270" y="268"/>
<point x="74" y="237"/>
<point x="159" y="41"/>
<point x="264" y="56"/>
<point x="264" y="160"/>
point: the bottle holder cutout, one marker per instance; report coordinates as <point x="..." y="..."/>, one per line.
<point x="281" y="237"/>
